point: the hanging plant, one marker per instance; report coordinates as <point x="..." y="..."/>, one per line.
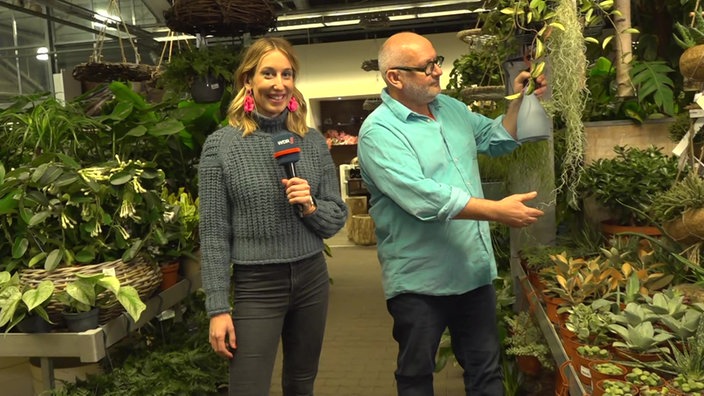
<point x="569" y="65"/>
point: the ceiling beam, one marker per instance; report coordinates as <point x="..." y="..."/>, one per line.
<point x="157" y="8"/>
<point x="87" y="14"/>
<point x="53" y="19"/>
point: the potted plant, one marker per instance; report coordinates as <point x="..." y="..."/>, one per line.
<point x="641" y="378"/>
<point x="680" y="209"/>
<point x="525" y="340"/>
<point x="88" y="293"/>
<point x="614" y="387"/>
<point x="690" y="37"/>
<point x="606" y="371"/>
<point x="626" y="184"/>
<point x="638" y="339"/>
<point x="22" y="306"/>
<point x="58" y="213"/>
<point x="204" y="72"/>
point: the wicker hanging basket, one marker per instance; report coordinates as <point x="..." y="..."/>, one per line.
<point x="220" y="17"/>
<point x="692" y="63"/>
<point x="140" y="274"/>
<point x="97" y="70"/>
<point x="106" y="71"/>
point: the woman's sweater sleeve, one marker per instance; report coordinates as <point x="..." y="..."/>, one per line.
<point x="331" y="213"/>
<point x="215" y="230"/>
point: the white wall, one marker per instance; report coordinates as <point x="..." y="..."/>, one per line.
<point x="334" y="70"/>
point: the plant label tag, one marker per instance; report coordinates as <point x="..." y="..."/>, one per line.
<point x="109" y="271"/>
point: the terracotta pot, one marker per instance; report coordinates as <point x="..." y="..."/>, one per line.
<point x="529" y="365"/>
<point x="562" y="383"/>
<point x="692" y="63"/>
<point x="552" y="304"/>
<point x="169" y="275"/>
<point x="570" y="343"/>
<point x="582" y="366"/>
<point x="598" y="390"/>
<point x="598" y="375"/>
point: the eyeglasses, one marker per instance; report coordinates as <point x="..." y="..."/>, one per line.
<point x="427" y="69"/>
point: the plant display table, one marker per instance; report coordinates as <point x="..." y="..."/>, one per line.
<point x="89" y="346"/>
<point x="529" y="297"/>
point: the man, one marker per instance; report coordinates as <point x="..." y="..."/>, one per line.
<point x="418" y="156"/>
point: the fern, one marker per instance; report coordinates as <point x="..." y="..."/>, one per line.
<point x="651" y="80"/>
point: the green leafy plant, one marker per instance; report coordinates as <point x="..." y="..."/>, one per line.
<point x="687" y="36"/>
<point x="642" y="377"/>
<point x="616" y="387"/>
<point x="641" y="337"/>
<point x="684" y="195"/>
<point x="590" y="322"/>
<point x="18" y="302"/>
<point x="164" y="358"/>
<point x="526" y="339"/>
<point x="216" y="60"/>
<point x="626" y="183"/>
<point x="56" y="212"/>
<point x="687" y="364"/>
<point x="90" y="291"/>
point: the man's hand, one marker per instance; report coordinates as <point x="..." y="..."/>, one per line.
<point x="514" y="213"/>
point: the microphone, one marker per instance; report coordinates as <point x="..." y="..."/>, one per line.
<point x="287" y="152"/>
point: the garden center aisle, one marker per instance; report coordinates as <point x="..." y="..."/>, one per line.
<point x="359" y="353"/>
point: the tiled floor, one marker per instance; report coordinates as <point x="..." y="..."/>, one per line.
<point x="359" y="354"/>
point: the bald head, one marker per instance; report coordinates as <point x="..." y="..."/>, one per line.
<point x="403" y="49"/>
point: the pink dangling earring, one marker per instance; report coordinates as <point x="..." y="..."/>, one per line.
<point x="248" y="102"/>
<point x="292" y="104"/>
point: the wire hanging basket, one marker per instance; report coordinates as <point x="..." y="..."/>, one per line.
<point x="220" y="17"/>
<point x="97" y="70"/>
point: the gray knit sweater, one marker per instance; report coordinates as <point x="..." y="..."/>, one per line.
<point x="245" y="217"/>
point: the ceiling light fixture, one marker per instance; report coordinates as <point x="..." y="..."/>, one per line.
<point x="341" y="23"/>
<point x="299" y="27"/>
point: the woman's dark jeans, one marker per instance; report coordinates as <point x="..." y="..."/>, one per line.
<point x="278" y="301"/>
<point x="420" y="320"/>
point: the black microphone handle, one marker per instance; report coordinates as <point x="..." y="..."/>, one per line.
<point x="290" y="168"/>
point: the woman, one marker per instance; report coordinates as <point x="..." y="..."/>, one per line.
<point x="262" y="232"/>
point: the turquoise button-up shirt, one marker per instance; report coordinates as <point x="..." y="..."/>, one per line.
<point x="421" y="173"/>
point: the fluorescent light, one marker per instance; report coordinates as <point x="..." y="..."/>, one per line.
<point x="174" y="37"/>
<point x="296" y="17"/>
<point x="442" y="13"/>
<point x="342" y="23"/>
<point x="402" y="17"/>
<point x="298" y="27"/>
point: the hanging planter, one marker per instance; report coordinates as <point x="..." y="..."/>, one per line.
<point x="97" y="70"/>
<point x="220" y="18"/>
<point x="207" y="89"/>
<point x="692" y="63"/>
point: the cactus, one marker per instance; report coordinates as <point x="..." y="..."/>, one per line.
<point x="689" y="36"/>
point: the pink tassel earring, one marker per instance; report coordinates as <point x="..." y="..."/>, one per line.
<point x="292" y="104"/>
<point x="248" y="102"/>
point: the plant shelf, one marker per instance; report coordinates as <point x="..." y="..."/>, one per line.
<point x="89" y="346"/>
<point x="553" y="340"/>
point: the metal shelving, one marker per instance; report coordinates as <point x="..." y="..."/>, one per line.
<point x="536" y="309"/>
<point x="89" y="346"/>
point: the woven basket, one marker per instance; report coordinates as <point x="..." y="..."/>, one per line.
<point x="108" y="71"/>
<point x="141" y="275"/>
<point x="220" y="17"/>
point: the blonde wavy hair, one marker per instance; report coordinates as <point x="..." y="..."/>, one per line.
<point x="236" y="116"/>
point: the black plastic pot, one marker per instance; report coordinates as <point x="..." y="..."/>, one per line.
<point x="207" y="89"/>
<point x="77" y="322"/>
<point x="34" y="324"/>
